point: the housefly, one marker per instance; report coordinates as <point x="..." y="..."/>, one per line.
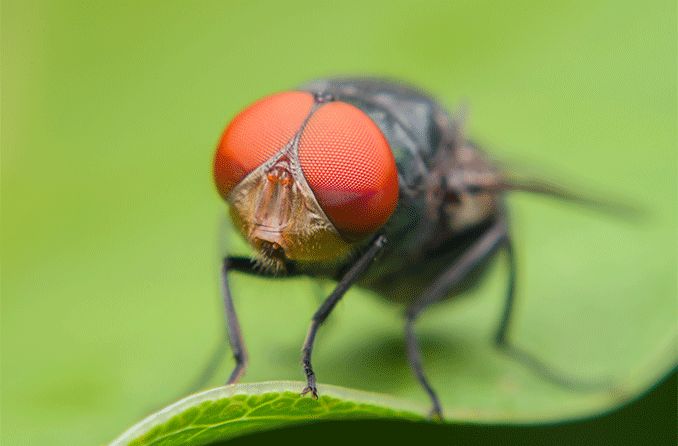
<point x="370" y="183"/>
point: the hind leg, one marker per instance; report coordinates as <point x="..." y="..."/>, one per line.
<point x="535" y="364"/>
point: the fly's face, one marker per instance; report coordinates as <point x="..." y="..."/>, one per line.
<point x="306" y="177"/>
<point x="278" y="214"/>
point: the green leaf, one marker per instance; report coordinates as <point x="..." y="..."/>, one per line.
<point x="230" y="411"/>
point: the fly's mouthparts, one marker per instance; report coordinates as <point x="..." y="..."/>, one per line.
<point x="271" y="249"/>
<point x="269" y="240"/>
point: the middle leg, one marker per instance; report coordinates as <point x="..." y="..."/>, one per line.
<point x="481" y="249"/>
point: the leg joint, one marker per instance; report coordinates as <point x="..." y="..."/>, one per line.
<point x="240" y="357"/>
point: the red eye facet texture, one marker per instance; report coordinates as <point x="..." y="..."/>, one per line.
<point x="350" y="168"/>
<point x="256" y="134"/>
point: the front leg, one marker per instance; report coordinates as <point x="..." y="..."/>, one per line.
<point x="352" y="274"/>
<point x="232" y="325"/>
<point x="244" y="265"/>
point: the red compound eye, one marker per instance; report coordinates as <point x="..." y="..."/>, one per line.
<point x="256" y="134"/>
<point x="349" y="166"/>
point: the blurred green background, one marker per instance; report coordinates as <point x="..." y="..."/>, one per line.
<point x="111" y="112"/>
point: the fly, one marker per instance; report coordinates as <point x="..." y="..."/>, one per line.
<point x="373" y="184"/>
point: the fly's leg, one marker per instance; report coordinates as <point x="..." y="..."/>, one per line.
<point x="232" y="325"/>
<point x="233" y="332"/>
<point x="414" y="358"/>
<point x="246" y="265"/>
<point x="348" y="279"/>
<point x="480" y="250"/>
<point x="500" y="337"/>
<point x="516" y="353"/>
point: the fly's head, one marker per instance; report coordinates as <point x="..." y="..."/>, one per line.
<point x="306" y="177"/>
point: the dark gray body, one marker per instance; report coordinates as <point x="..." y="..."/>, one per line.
<point x="439" y="214"/>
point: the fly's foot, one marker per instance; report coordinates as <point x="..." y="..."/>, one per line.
<point x="436" y="414"/>
<point x="312" y="389"/>
<point x="310" y="380"/>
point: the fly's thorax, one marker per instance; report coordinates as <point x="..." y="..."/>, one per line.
<point x="276" y="212"/>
